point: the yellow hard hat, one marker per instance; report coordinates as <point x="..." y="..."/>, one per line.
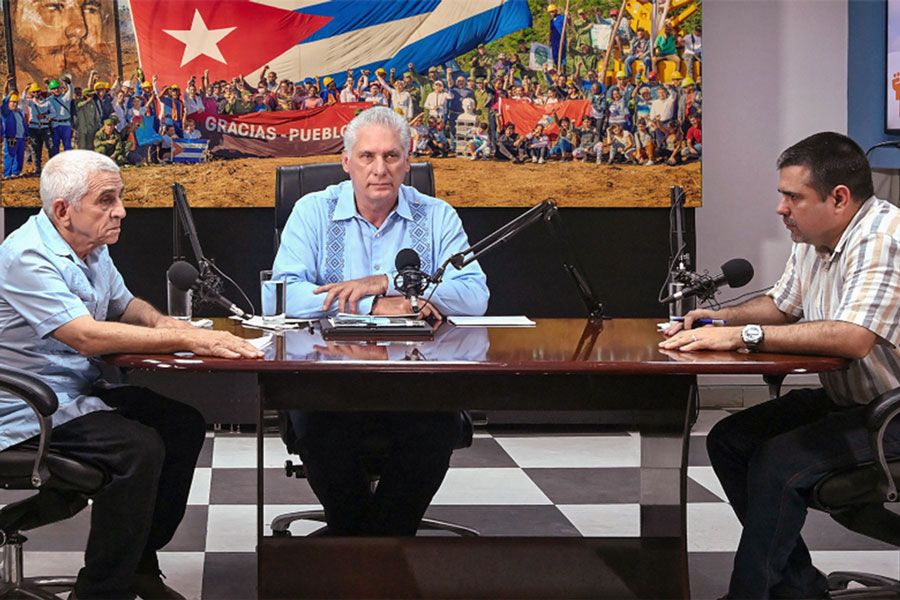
<point x="551" y="8"/>
<point x="620" y="75"/>
<point x="328" y="81"/>
<point x="380" y="70"/>
<point x="34" y="87"/>
<point x="687" y="81"/>
<point x="13" y="98"/>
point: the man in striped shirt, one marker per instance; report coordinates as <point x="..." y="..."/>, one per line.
<point x="839" y="296"/>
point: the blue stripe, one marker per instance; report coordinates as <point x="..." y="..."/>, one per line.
<point x="350" y="15"/>
<point x="450" y="42"/>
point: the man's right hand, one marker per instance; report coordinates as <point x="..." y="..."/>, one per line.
<point x="688" y="323"/>
<point x="204" y="342"/>
<point x="348" y="293"/>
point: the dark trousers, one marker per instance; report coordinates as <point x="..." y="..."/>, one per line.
<point x="416" y="455"/>
<point x="40" y="137"/>
<point x="768" y="458"/>
<point x="148" y="448"/>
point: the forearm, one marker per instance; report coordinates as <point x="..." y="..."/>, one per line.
<point x="829" y="338"/>
<point x="760" y="310"/>
<point x="464" y="295"/>
<point x="94" y="338"/>
<point x="142" y="313"/>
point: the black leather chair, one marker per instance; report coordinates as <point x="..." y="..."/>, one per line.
<point x="291" y="183"/>
<point x="856" y="499"/>
<point x="63" y="487"/>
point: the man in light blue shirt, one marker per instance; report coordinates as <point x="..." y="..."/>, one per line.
<point x="62" y="304"/>
<point x="337" y="254"/>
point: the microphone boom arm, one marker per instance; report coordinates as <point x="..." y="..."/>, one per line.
<point x="548" y="212"/>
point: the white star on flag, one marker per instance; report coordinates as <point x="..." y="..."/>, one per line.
<point x="199" y="40"/>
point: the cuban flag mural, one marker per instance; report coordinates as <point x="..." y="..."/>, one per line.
<point x="306" y="38"/>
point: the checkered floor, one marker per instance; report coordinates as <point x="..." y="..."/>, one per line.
<point x="509" y="483"/>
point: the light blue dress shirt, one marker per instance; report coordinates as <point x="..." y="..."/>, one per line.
<point x="327" y="241"/>
<point x="43" y="285"/>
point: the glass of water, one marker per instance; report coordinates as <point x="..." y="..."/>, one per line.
<point x="178" y="302"/>
<point x="273" y="299"/>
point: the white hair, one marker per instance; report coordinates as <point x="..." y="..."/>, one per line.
<point x="378" y="115"/>
<point x="68" y="174"/>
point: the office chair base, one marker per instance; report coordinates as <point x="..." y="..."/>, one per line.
<point x="16" y="585"/>
<point x="282" y="523"/>
<point x="871" y="586"/>
<point x="38" y="588"/>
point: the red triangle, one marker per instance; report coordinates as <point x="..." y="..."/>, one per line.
<point x="261" y="34"/>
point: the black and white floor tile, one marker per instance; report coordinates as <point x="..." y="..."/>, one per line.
<point x="510" y="482"/>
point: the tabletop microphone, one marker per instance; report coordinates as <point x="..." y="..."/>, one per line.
<point x="185" y="277"/>
<point x="736" y="273"/>
<point x="410" y="280"/>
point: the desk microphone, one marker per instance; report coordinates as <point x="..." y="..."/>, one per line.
<point x="410" y="279"/>
<point x="736" y="272"/>
<point x="185" y="277"/>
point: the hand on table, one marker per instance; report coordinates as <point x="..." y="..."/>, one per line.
<point x="399" y="305"/>
<point x="221" y="344"/>
<point x="348" y="293"/>
<point x="709" y="337"/>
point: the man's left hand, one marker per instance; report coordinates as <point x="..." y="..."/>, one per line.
<point x="348" y="293"/>
<point x="399" y="305"/>
<point x="709" y="337"/>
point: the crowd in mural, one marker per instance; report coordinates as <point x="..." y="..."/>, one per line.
<point x="633" y="116"/>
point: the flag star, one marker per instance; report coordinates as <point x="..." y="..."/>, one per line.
<point x="200" y="40"/>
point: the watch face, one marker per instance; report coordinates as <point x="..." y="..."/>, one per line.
<point x="752" y="334"/>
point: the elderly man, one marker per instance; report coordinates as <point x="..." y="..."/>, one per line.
<point x="63" y="303"/>
<point x="337" y="254"/>
<point x="838" y="296"/>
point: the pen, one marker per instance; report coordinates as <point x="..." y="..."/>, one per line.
<point x="702" y="321"/>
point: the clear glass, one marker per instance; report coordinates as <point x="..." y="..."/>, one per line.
<point x="178" y="302"/>
<point x="273" y="299"/>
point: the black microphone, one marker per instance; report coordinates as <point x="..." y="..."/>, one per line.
<point x="185" y="277"/>
<point x="736" y="272"/>
<point x="410" y="279"/>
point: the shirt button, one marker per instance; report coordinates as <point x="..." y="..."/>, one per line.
<point x="377" y="267"/>
<point x="378" y="235"/>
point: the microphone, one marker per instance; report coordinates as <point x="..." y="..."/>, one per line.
<point x="410" y="279"/>
<point x="185" y="277"/>
<point x="736" y="273"/>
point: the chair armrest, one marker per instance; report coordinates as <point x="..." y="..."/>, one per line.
<point x="43" y="401"/>
<point x="879" y="413"/>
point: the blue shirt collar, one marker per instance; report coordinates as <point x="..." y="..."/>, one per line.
<point x="346" y="205"/>
<point x="55" y="242"/>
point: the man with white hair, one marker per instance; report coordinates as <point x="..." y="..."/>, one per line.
<point x="63" y="303"/>
<point x="337" y="255"/>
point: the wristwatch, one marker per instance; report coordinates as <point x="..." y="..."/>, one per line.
<point x="752" y="336"/>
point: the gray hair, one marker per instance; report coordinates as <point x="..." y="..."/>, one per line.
<point x="68" y="174"/>
<point x="378" y="115"/>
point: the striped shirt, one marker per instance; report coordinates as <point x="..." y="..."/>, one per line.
<point x="858" y="283"/>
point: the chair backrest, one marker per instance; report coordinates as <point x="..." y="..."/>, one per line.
<point x="294" y="181"/>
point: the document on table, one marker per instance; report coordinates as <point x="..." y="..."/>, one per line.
<point x="514" y="321"/>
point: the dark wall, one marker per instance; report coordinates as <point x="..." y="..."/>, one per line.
<point x="624" y="252"/>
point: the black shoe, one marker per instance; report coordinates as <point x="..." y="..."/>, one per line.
<point x="151" y="587"/>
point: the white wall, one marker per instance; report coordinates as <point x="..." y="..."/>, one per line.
<point x="774" y="71"/>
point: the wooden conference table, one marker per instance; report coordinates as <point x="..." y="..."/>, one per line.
<point x="561" y="364"/>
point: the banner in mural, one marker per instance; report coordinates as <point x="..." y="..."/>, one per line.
<point x="282" y="133"/>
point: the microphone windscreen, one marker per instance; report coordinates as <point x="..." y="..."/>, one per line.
<point x="182" y="275"/>
<point x="406" y="259"/>
<point x="737" y="272"/>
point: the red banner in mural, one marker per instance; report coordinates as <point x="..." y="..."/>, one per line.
<point x="280" y="133"/>
<point x="526" y="115"/>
